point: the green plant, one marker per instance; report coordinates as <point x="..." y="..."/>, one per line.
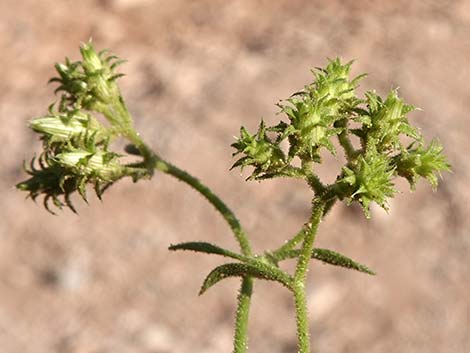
<point x="91" y="113"/>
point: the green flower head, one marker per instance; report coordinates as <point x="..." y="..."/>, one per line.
<point x="425" y="162"/>
<point x="370" y="180"/>
<point x="384" y="122"/>
<point x="57" y="178"/>
<point x="259" y="152"/>
<point x="89" y="83"/>
<point x="314" y="111"/>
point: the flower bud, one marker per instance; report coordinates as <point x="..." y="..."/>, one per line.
<point x="63" y="127"/>
<point x="102" y="164"/>
<point x="91" y="60"/>
<point x="89" y="83"/>
<point x="99" y="74"/>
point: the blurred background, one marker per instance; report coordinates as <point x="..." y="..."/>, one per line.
<point x="104" y="281"/>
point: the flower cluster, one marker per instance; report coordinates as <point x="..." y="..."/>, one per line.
<point x="314" y="112"/>
<point x="329" y="109"/>
<point x="90" y="83"/>
<point x="75" y="141"/>
<point x="260" y="152"/>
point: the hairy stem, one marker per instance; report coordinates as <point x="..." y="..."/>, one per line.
<point x="344" y="140"/>
<point x="244" y="297"/>
<point x="241" y="318"/>
<point x="312" y="179"/>
<point x="280" y="253"/>
<point x="300" y="276"/>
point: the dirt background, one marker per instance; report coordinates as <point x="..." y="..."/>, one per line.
<point x="104" y="281"/>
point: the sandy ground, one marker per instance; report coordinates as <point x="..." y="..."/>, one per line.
<point x="104" y="281"/>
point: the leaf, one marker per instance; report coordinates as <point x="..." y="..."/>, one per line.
<point x="333" y="258"/>
<point x="256" y="269"/>
<point x="207" y="248"/>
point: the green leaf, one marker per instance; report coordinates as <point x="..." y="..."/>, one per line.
<point x="255" y="269"/>
<point x="207" y="248"/>
<point x="333" y="258"/>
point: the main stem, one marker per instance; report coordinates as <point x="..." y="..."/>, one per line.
<point x="244" y="296"/>
<point x="300" y="276"/>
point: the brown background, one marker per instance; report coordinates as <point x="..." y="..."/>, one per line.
<point x="104" y="282"/>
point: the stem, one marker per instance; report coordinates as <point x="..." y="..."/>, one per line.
<point x="300" y="276"/>
<point x="241" y="318"/>
<point x="244" y="297"/>
<point x="312" y="179"/>
<point x="279" y="254"/>
<point x="284" y="251"/>
<point x="344" y="141"/>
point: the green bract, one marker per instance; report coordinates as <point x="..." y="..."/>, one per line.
<point x="384" y="122"/>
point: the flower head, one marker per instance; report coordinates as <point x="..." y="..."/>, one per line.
<point x="425" y="162"/>
<point x="328" y="109"/>
<point x="91" y="82"/>
<point x="75" y="142"/>
<point x="259" y="151"/>
<point x="369" y="180"/>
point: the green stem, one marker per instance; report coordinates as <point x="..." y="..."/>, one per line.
<point x="300" y="276"/>
<point x="344" y="141"/>
<point x="284" y="251"/>
<point x="241" y="318"/>
<point x="312" y="179"/>
<point x="279" y="254"/>
<point x="244" y="297"/>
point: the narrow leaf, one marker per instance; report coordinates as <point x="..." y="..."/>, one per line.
<point x="333" y="258"/>
<point x="336" y="259"/>
<point x="255" y="269"/>
<point x="207" y="248"/>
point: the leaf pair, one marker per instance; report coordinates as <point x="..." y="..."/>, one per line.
<point x="261" y="267"/>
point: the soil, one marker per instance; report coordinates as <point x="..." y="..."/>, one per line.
<point x="104" y="281"/>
